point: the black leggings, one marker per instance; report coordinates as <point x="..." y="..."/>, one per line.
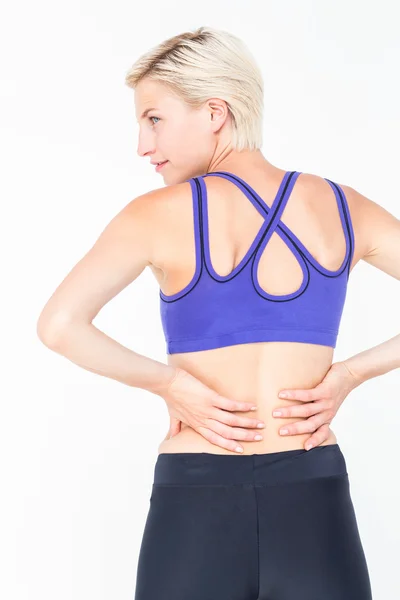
<point x="275" y="526"/>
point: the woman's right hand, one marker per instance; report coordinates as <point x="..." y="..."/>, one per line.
<point x="207" y="412"/>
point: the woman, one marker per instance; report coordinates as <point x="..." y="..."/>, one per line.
<point x="253" y="263"/>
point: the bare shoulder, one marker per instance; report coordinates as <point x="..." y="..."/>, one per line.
<point x="167" y="194"/>
<point x="158" y="216"/>
<point x="157" y="204"/>
<point x="156" y="207"/>
<point x="376" y="230"/>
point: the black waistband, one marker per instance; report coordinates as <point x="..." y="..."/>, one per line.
<point x="203" y="468"/>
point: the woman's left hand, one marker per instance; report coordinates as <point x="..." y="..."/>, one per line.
<point x="321" y="404"/>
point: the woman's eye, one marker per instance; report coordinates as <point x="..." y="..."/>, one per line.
<point x="154" y="118"/>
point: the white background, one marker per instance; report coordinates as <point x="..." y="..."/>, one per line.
<point x="74" y="487"/>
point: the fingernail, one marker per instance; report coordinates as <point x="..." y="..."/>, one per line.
<point x="284" y="394"/>
<point x="284" y="431"/>
<point x="309" y="446"/>
<point x="253" y="408"/>
<point x="259" y="425"/>
<point x="258" y="437"/>
<point x="277" y="413"/>
<point x="239" y="449"/>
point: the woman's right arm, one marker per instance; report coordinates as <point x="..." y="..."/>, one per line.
<point x="118" y="257"/>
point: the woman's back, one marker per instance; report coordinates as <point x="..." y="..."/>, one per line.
<point x="251" y="370"/>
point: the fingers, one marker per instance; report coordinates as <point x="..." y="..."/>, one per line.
<point x="299" y="410"/>
<point x="234" y="433"/>
<point x="308" y="426"/>
<point x="232" y="405"/>
<point x="237" y="421"/>
<point x="219" y="440"/>
<point x="223" y="428"/>
<point x="318" y="437"/>
<point x="303" y="395"/>
<point x="223" y="413"/>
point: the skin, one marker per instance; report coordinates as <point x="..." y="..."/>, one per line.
<point x="209" y="394"/>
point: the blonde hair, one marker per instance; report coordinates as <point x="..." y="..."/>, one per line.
<point x="209" y="63"/>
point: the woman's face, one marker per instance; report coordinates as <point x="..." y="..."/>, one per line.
<point x="170" y="130"/>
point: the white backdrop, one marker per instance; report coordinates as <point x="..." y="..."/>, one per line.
<point x="74" y="488"/>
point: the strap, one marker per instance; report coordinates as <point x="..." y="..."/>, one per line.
<point x="346" y="220"/>
<point x="279" y="203"/>
<point x="270" y="219"/>
<point x="198" y="221"/>
<point x="258" y="202"/>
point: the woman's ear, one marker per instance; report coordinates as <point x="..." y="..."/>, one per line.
<point x="218" y="111"/>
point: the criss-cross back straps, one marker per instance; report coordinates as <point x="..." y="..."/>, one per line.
<point x="285" y="232"/>
<point x="258" y="202"/>
<point x="271" y="216"/>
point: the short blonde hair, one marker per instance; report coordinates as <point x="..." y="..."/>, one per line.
<point x="209" y="63"/>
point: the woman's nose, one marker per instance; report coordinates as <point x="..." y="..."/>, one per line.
<point x="145" y="145"/>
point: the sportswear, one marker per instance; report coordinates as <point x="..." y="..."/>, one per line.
<point x="273" y="526"/>
<point x="213" y="311"/>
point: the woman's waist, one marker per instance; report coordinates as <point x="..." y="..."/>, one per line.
<point x="190" y="440"/>
<point x="261" y="387"/>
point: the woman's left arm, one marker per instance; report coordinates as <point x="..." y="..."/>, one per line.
<point x="377" y="234"/>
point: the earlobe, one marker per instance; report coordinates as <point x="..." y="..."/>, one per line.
<point x="217" y="122"/>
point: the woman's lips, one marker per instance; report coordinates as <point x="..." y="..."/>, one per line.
<point x="160" y="166"/>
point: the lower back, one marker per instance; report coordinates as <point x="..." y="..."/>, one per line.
<point x="256" y="373"/>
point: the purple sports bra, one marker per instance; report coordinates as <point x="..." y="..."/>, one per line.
<point x="212" y="310"/>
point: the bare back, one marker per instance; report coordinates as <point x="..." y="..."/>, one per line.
<point x="252" y="371"/>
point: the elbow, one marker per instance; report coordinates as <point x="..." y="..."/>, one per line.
<point x="45" y="334"/>
<point x="51" y="329"/>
